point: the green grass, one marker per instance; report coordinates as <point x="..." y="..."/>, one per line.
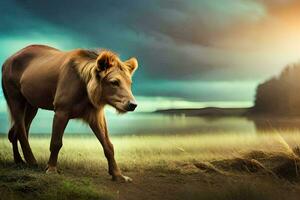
<point x="157" y="164"/>
<point x="25" y="183"/>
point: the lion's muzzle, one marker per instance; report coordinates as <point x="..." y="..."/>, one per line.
<point x="131" y="105"/>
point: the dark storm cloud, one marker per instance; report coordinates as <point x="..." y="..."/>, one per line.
<point x="159" y="33"/>
<point x="194" y="22"/>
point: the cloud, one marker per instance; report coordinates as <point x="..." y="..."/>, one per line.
<point x="174" y="40"/>
<point x="194" y="22"/>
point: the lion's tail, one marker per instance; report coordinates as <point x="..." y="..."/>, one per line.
<point x="11" y="131"/>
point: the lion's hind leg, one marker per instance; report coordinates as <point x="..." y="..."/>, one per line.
<point x="18" y="131"/>
<point x="14" y="141"/>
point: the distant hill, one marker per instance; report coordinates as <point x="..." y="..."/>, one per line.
<point x="280" y="96"/>
<point x="207" y="112"/>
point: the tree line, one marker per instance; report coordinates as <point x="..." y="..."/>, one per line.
<point x="280" y="95"/>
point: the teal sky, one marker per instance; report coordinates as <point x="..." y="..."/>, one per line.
<point x="192" y="53"/>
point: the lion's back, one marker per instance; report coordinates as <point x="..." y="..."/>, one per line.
<point x="20" y="60"/>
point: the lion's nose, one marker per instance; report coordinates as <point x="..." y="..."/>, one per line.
<point x="131" y="105"/>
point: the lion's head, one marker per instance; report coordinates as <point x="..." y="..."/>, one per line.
<point x="111" y="82"/>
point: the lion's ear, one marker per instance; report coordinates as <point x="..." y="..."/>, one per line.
<point x="132" y="64"/>
<point x="105" y="60"/>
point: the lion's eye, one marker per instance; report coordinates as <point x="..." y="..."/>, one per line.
<point x="115" y="83"/>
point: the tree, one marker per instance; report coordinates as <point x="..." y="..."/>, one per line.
<point x="280" y="95"/>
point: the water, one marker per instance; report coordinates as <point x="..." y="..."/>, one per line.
<point x="146" y="123"/>
<point x="137" y="123"/>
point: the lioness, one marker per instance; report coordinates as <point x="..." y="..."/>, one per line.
<point x="74" y="84"/>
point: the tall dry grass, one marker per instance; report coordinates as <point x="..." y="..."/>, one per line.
<point x="151" y="150"/>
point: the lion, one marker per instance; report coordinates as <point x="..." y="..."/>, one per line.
<point x="75" y="84"/>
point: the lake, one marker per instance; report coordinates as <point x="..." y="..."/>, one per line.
<point x="149" y="123"/>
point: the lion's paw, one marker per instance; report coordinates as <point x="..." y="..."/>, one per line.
<point x="51" y="170"/>
<point x="122" y="178"/>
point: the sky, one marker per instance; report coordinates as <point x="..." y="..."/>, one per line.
<point x="191" y="53"/>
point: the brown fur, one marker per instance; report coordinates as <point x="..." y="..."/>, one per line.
<point x="74" y="84"/>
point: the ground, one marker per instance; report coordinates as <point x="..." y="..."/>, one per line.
<point x="221" y="167"/>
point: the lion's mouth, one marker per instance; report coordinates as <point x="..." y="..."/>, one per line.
<point x="121" y="111"/>
<point x="118" y="106"/>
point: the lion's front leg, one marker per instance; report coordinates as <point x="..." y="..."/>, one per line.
<point x="60" y="122"/>
<point x="100" y="130"/>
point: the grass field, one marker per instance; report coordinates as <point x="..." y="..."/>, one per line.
<point x="221" y="167"/>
